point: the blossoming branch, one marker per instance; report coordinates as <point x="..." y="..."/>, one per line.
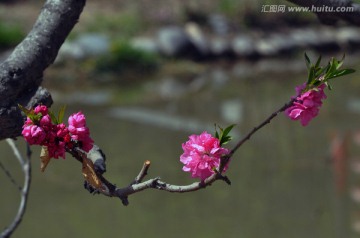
<point x="43" y="128"/>
<point x="204" y="156"/>
<point x="309" y="95"/>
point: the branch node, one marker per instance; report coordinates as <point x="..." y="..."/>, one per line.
<point x="158" y="184"/>
<point x="202" y="183"/>
<point x="90" y="188"/>
<point x="124" y="200"/>
<point x="222" y="177"/>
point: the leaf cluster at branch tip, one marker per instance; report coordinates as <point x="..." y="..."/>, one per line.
<point x="30" y="113"/>
<point x="223" y="134"/>
<point x="318" y="75"/>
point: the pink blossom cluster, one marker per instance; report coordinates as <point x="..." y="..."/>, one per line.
<point x="57" y="137"/>
<point x="307" y="104"/>
<point x="202" y="154"/>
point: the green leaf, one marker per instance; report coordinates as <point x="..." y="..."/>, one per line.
<point x="26" y="111"/>
<point x="217" y="135"/>
<point x="225" y="140"/>
<point x="318" y="62"/>
<point x="61" y="114"/>
<point x="307" y="61"/>
<point x="339" y="64"/>
<point x="311" y="76"/>
<point x="223" y="136"/>
<point x="321" y="71"/>
<point x="35" y="117"/>
<point x="318" y="75"/>
<point x="334" y="64"/>
<point x="228" y="129"/>
<point x="343" y="72"/>
<point x="53" y="118"/>
<point x="331" y="68"/>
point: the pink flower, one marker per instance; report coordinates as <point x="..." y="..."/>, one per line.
<point x="41" y="109"/>
<point x="50" y="136"/>
<point x="79" y="131"/>
<point x="56" y="149"/>
<point x="57" y="137"/>
<point x="77" y="120"/>
<point x="299" y="89"/>
<point x="87" y="144"/>
<point x="61" y="131"/>
<point x="28" y="122"/>
<point x="45" y="123"/>
<point x="307" y="105"/>
<point x="202" y="153"/>
<point x="33" y="134"/>
<point x="57" y="140"/>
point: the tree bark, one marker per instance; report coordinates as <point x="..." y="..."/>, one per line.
<point x="21" y="73"/>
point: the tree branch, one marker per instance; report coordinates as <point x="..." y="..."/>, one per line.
<point x="266" y="121"/>
<point x="24" y="192"/>
<point x="330" y="18"/>
<point x="22" y="72"/>
<point x="143" y="172"/>
<point x="94" y="167"/>
<point x="111" y="190"/>
<point x="97" y="158"/>
<point x="10" y="177"/>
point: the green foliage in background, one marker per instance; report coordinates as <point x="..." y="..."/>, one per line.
<point x="124" y="58"/>
<point x="125" y="24"/>
<point x="229" y="7"/>
<point x="10" y="35"/>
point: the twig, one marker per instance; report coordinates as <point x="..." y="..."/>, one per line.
<point x="156" y="183"/>
<point x="143" y="172"/>
<point x="266" y="121"/>
<point x="11" y="178"/>
<point x="109" y="189"/>
<point x="26" y="168"/>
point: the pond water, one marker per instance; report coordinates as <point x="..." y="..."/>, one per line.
<point x="283" y="180"/>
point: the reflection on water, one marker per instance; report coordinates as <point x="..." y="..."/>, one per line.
<point x="160" y="119"/>
<point x="282" y="180"/>
<point x="230" y="111"/>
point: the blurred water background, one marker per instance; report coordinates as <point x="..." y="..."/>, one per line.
<point x="287" y="181"/>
